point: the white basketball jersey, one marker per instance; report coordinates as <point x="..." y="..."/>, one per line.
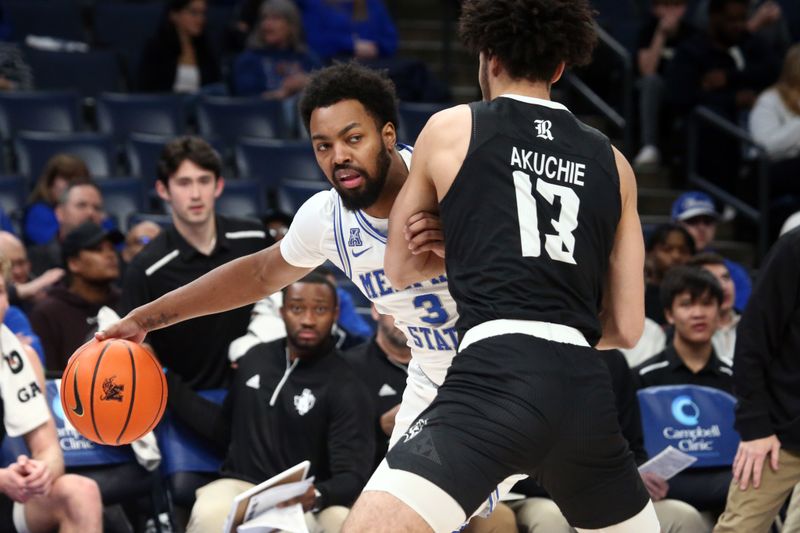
<point x="323" y="229"/>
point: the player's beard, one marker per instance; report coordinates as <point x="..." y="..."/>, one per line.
<point x="393" y="335"/>
<point x="373" y="185"/>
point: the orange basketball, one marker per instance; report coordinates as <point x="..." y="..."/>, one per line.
<point x="113" y="392"/>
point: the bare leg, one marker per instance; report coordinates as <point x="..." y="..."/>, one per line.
<point x="73" y="505"/>
<point x="380" y="512"/>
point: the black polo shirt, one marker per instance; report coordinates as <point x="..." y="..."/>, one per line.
<point x="385" y="380"/>
<point x="196" y="349"/>
<point x="667" y="368"/>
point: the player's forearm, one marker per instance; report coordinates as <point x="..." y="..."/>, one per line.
<point x="240" y="282"/>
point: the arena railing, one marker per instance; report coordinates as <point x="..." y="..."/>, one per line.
<point x="758" y="213"/>
<point x="622" y="119"/>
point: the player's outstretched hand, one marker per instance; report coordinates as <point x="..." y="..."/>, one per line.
<point x="749" y="461"/>
<point x="423" y="231"/>
<point x="127" y="328"/>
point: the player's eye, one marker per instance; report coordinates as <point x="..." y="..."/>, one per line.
<point x="354" y="139"/>
<point x="322" y="147"/>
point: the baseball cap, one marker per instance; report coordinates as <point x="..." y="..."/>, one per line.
<point x="87" y="236"/>
<point x="693" y="204"/>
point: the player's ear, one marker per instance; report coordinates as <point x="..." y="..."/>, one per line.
<point x="219" y="186"/>
<point x="558" y="73"/>
<point x="669" y="317"/>
<point x="162" y="190"/>
<point x="389" y="135"/>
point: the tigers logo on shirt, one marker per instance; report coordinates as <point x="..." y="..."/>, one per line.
<point x="304" y="402"/>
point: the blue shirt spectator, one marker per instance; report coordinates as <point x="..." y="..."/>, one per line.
<point x="18" y="323"/>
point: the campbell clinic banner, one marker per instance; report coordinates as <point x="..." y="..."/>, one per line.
<point x="696" y="420"/>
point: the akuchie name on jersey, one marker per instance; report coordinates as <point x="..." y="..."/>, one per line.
<point x="551" y="167"/>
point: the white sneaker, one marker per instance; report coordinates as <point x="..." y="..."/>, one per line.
<point x="647" y="156"/>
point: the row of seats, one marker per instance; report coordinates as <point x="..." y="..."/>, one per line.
<point x="218" y="118"/>
<point x="117" y="30"/>
<point x="127" y="197"/>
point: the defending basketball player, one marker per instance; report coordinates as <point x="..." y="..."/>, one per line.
<point x="350" y="113"/>
<point x="544" y="258"/>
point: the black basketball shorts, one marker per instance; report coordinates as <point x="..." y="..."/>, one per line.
<point x="518" y="404"/>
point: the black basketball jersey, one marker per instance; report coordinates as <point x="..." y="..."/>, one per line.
<point x="530" y="218"/>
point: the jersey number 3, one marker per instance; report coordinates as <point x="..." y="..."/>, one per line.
<point x="561" y="246"/>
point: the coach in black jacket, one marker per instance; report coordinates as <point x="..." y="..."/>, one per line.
<point x="290" y="400"/>
<point x="766" y="381"/>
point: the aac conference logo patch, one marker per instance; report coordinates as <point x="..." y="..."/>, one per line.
<point x="685" y="411"/>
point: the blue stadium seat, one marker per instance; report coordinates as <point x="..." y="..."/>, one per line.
<point x="272" y="161"/>
<point x="13" y="193"/>
<point x="154" y="114"/>
<point x="413" y="117"/>
<point x="58" y="18"/>
<point x="56" y="111"/>
<point x="242" y="198"/>
<point x="228" y="119"/>
<point x="126" y="27"/>
<point x="33" y="149"/>
<point x="122" y="197"/>
<point x="161" y="219"/>
<point x="696" y="420"/>
<point x="89" y="73"/>
<point x="293" y="193"/>
<point x="142" y="152"/>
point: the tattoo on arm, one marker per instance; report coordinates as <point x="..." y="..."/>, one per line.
<point x="162" y="319"/>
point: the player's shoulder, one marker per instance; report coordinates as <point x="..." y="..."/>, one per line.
<point x="320" y="203"/>
<point x="154" y="251"/>
<point x="452" y="117"/>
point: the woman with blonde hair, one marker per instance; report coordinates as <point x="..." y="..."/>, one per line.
<point x="39" y="222"/>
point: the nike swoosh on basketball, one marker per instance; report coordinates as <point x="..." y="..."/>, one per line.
<point x="362" y="252"/>
<point x="78" y="409"/>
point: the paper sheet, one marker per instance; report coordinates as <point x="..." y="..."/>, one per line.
<point x="289" y="519"/>
<point x="669" y="462"/>
<point x="261" y="503"/>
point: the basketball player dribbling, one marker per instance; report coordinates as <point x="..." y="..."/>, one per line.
<point x="350" y="113"/>
<point x="544" y="256"/>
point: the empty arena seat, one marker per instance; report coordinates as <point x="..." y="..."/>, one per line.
<point x="13" y="193"/>
<point x="122" y="197"/>
<point x="88" y="73"/>
<point x="413" y="117"/>
<point x="126" y="27"/>
<point x="696" y="420"/>
<point x="272" y="161"/>
<point x="53" y="111"/>
<point x="292" y="193"/>
<point x="120" y="114"/>
<point x="57" y="18"/>
<point x="33" y="149"/>
<point x="142" y="152"/>
<point x="227" y="119"/>
<point x="242" y="198"/>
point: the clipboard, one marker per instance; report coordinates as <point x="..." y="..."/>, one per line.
<point x="239" y="507"/>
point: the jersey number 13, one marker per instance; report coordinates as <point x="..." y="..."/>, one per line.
<point x="559" y="246"/>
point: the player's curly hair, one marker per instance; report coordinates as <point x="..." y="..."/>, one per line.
<point x="351" y="81"/>
<point x="530" y="37"/>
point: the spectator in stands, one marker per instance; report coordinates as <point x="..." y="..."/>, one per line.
<point x="190" y="181"/>
<point x="766" y="373"/>
<point x="350" y="329"/>
<point x="291" y="400"/>
<point x="15" y="319"/>
<point x="724" y="338"/>
<point x="775" y="125"/>
<point x="539" y="514"/>
<point x="178" y="57"/>
<point x="15" y="73"/>
<point x="81" y="201"/>
<point x="277" y="61"/>
<point x="23" y="291"/>
<point x="723" y="68"/>
<point x="276" y="223"/>
<point x="695" y="211"/>
<point x="67" y="316"/>
<point x="765" y="19"/>
<point x="664" y="30"/>
<point x="39" y="223"/>
<point x="691" y="298"/>
<point x="35" y="494"/>
<point x="360" y="29"/>
<point x="137" y="238"/>
<point x="669" y="245"/>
